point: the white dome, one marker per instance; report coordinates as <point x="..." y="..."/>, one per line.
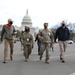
<point x="26" y="19"/>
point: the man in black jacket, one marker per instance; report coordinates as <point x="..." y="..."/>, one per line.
<point x="38" y="42"/>
<point x="62" y="33"/>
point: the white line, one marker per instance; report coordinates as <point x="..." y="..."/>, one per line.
<point x="72" y="74"/>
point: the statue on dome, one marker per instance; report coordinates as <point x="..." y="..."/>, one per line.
<point x="27" y="12"/>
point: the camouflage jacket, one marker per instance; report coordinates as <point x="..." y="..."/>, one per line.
<point x="27" y="39"/>
<point x="46" y="36"/>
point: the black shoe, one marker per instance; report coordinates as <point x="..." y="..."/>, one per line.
<point x="63" y="61"/>
<point x="4" y="61"/>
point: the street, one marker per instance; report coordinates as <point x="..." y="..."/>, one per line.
<point x="36" y="67"/>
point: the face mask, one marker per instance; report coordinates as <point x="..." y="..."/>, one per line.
<point x="27" y="30"/>
<point x="45" y="26"/>
<point x="63" y="24"/>
<point x="11" y="23"/>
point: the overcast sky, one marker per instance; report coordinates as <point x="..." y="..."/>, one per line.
<point x="40" y="11"/>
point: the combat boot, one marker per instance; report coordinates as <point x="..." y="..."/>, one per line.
<point x="46" y="61"/>
<point x="26" y="60"/>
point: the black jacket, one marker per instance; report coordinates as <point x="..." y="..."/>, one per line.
<point x="62" y="34"/>
<point x="37" y="38"/>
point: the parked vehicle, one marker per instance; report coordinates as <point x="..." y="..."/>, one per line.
<point x="70" y="42"/>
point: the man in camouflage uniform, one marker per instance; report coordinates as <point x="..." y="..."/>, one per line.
<point x="27" y="43"/>
<point x="46" y="37"/>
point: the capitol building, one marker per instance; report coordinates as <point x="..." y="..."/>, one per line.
<point x="27" y="21"/>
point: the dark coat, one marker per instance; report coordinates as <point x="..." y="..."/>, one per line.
<point x="62" y="34"/>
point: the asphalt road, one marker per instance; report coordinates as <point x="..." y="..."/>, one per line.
<point x="36" y="67"/>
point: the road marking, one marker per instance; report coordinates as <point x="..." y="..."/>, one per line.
<point x="72" y="74"/>
<point x="58" y="56"/>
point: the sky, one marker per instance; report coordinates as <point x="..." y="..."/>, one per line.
<point x="40" y="11"/>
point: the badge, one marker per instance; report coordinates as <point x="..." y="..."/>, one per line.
<point x="48" y="33"/>
<point x="27" y="39"/>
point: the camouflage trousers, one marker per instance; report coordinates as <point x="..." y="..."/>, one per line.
<point x="44" y="47"/>
<point x="27" y="51"/>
